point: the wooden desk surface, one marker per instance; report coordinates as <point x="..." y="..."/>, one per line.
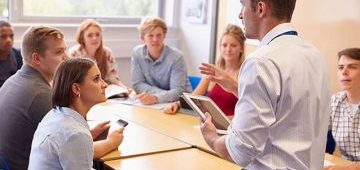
<point x="337" y="160"/>
<point x="139" y="141"/>
<point x="189" y="159"/>
<point x="180" y="126"/>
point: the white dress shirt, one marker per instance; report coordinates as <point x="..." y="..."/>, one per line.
<point x="280" y="117"/>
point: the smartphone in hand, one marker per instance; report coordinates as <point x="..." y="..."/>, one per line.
<point x="122" y="123"/>
<point x="119" y="124"/>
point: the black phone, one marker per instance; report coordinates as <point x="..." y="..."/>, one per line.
<point x="122" y="123"/>
<point x="103" y="135"/>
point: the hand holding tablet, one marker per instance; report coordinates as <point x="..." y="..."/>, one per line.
<point x="203" y="104"/>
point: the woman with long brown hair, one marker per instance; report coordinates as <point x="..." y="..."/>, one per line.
<point x="90" y="44"/>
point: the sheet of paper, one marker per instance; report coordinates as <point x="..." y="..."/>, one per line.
<point x="136" y="102"/>
<point x="327" y="163"/>
<point x="112" y="90"/>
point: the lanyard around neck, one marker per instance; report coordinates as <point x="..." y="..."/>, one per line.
<point x="285" y="33"/>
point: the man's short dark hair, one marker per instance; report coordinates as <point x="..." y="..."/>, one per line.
<point x="281" y="9"/>
<point x="353" y="53"/>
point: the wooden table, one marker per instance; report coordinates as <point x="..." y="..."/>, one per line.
<point x="337" y="160"/>
<point x="181" y="129"/>
<point x="187" y="159"/>
<point x="180" y="126"/>
<point x="141" y="141"/>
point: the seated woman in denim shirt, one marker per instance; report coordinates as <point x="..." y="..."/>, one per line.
<point x="63" y="140"/>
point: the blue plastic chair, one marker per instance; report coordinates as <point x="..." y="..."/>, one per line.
<point x="194" y="81"/>
<point x="330" y="143"/>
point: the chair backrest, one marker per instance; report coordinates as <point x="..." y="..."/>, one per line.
<point x="194" y="81"/>
<point x="3" y="164"/>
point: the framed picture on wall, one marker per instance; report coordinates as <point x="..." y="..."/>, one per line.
<point x="195" y="11"/>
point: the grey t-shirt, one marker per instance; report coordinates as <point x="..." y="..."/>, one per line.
<point x="25" y="98"/>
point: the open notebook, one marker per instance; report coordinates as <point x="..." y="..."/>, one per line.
<point x="116" y="91"/>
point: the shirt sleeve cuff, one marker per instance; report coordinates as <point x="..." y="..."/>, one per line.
<point x="242" y="153"/>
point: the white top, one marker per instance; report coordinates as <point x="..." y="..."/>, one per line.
<point x="62" y="141"/>
<point x="280" y="117"/>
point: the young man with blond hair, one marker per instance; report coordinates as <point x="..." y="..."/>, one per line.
<point x="158" y="71"/>
<point x="25" y="98"/>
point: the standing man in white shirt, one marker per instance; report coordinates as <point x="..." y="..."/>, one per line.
<point x="283" y="91"/>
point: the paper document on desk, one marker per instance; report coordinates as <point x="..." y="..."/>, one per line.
<point x="131" y="100"/>
<point x="115" y="91"/>
<point x="327" y="163"/>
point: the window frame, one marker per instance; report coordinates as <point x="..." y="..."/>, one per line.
<point x="16" y="16"/>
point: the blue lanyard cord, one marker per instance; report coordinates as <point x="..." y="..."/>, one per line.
<point x="3" y="164"/>
<point x="285" y="33"/>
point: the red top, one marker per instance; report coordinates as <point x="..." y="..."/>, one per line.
<point x="225" y="100"/>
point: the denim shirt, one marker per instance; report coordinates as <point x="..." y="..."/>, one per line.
<point x="166" y="77"/>
<point x="62" y="141"/>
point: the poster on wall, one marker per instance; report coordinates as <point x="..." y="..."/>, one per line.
<point x="195" y="11"/>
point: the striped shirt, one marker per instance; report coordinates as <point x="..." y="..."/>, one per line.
<point x="283" y="102"/>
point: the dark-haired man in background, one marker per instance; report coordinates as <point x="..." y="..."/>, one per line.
<point x="10" y="58"/>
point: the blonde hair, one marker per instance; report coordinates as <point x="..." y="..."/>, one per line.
<point x="100" y="54"/>
<point x="34" y="40"/>
<point x="150" y="24"/>
<point x="236" y="32"/>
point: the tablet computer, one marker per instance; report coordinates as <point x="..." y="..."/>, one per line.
<point x="203" y="104"/>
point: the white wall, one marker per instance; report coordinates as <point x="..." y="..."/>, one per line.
<point x="195" y="39"/>
<point x="192" y="39"/>
<point x="330" y="25"/>
<point x="121" y="39"/>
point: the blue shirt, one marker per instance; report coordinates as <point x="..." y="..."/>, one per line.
<point x="166" y="78"/>
<point x="281" y="116"/>
<point x="62" y="141"/>
<point x="9" y="66"/>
